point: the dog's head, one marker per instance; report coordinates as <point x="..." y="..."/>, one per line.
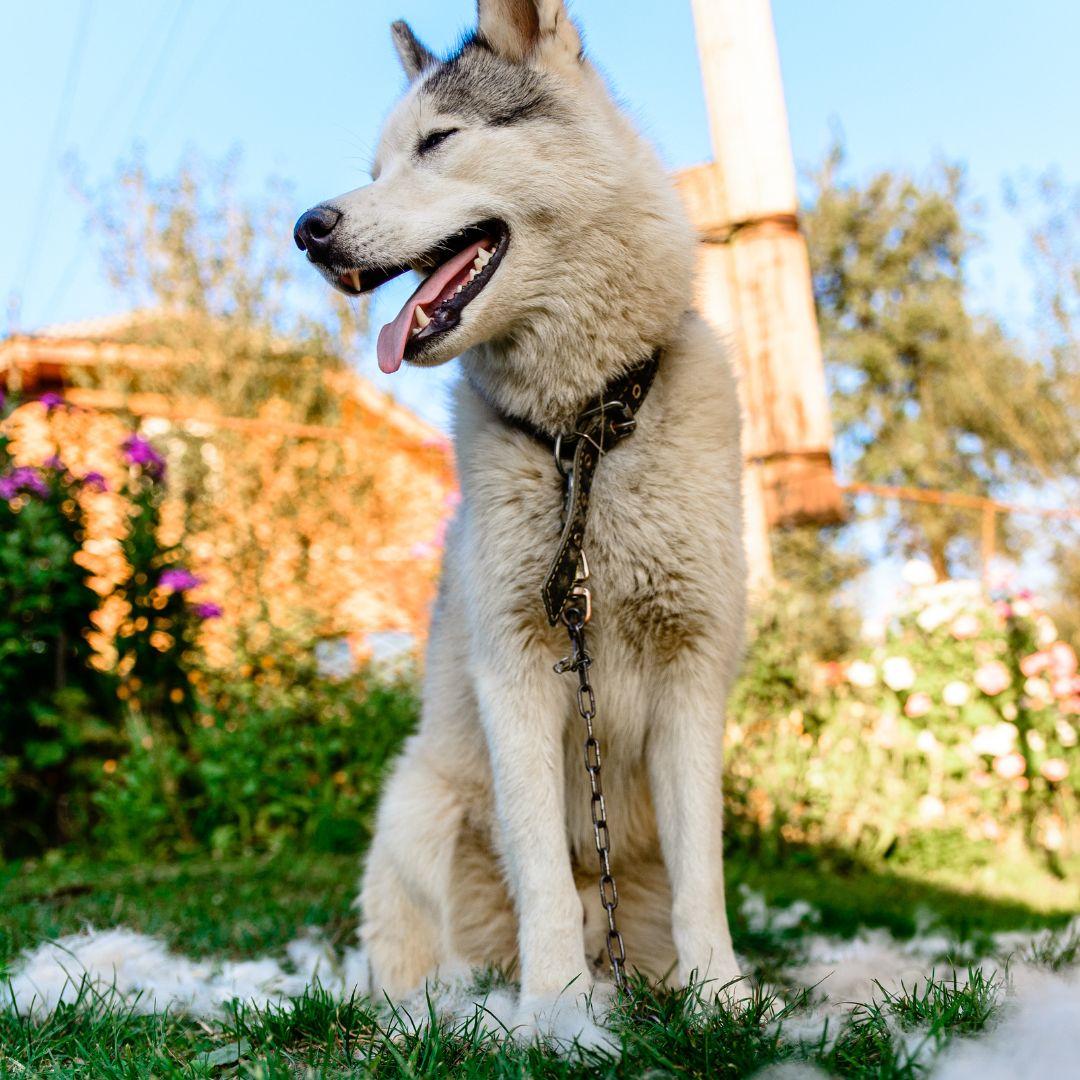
<point x="510" y="182"/>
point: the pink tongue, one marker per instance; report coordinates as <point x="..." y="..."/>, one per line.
<point x="394" y="335"/>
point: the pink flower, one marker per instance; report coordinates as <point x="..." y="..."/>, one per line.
<point x="897" y="673"/>
<point x="1066" y="733"/>
<point x="861" y="674"/>
<point x="207" y="611"/>
<point x="1039" y="691"/>
<point x="1054" y="769"/>
<point x="918" y="573"/>
<point x="917" y="704"/>
<point x="830" y="673"/>
<point x="178" y="580"/>
<point x="956" y="693"/>
<point x="1052" y="835"/>
<point x="95" y="481"/>
<point x="995" y="740"/>
<point x="23" y="478"/>
<point x="1035" y="664"/>
<point x="992" y="677"/>
<point x="140" y="452"/>
<point x="51" y="401"/>
<point x="1062" y="688"/>
<point x="926" y="743"/>
<point x="1062" y="659"/>
<point x="1009" y="766"/>
<point x="964" y="626"/>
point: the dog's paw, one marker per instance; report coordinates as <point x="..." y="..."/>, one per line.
<point x="567" y="1021"/>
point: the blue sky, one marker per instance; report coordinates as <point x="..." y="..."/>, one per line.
<point x="302" y="88"/>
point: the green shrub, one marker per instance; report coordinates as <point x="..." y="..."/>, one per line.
<point x="958" y="726"/>
<point x="278" y="755"/>
<point x="58" y="714"/>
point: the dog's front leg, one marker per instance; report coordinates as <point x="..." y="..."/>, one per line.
<point x="685" y="770"/>
<point x="524" y="719"/>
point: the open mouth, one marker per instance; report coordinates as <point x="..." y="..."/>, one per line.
<point x="435" y="307"/>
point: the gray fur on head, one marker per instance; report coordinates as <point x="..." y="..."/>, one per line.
<point x="415" y="57"/>
<point x="597" y="270"/>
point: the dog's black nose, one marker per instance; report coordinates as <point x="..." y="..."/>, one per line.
<point x="314" y="229"/>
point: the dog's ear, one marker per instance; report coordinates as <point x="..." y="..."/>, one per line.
<point x="413" y="54"/>
<point x="515" y="29"/>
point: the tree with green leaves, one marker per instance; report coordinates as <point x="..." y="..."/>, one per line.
<point x="926" y="392"/>
<point x="1055" y="260"/>
<point x="213" y="276"/>
<point x="244" y="331"/>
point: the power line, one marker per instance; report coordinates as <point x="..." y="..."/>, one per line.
<point x="140" y="61"/>
<point x="48" y="173"/>
<point x="153" y="74"/>
<point x="202" y="54"/>
<point x="159" y="64"/>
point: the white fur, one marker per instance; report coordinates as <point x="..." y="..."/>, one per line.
<point x="1037" y="1035"/>
<point x="147" y="975"/>
<point x="483" y="851"/>
<point x="143" y="974"/>
<point x="1036" y="1032"/>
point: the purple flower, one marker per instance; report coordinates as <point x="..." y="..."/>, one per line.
<point x="207" y="611"/>
<point x="140" y="452"/>
<point x="23" y="478"/>
<point x="54" y="463"/>
<point x="96" y="481"/>
<point x="51" y="401"/>
<point x="178" y="579"/>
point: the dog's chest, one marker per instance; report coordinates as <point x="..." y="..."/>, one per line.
<point x="641" y="541"/>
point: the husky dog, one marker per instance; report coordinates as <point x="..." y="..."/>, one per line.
<point x="556" y="256"/>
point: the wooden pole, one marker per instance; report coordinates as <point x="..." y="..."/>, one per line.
<point x="754" y="274"/>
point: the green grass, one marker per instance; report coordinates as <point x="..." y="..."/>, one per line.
<point x="255" y="906"/>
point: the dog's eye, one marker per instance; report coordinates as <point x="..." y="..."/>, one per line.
<point x="433" y="139"/>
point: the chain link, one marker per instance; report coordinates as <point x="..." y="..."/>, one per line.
<point x="575" y="615"/>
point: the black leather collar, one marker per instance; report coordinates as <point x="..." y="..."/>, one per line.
<point x="604" y="422"/>
<point x="628" y="390"/>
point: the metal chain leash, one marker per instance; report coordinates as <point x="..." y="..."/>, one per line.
<point x="575" y="615"/>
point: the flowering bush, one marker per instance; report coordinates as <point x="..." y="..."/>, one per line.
<point x="63" y="694"/>
<point x="57" y="714"/>
<point x="963" y="719"/>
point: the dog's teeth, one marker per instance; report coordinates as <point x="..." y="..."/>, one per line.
<point x="479" y="265"/>
<point x="414" y="331"/>
<point x="354" y="277"/>
<point x="483" y="257"/>
<point x="422" y="318"/>
<point x="472" y="274"/>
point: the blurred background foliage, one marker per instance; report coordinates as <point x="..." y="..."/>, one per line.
<point x="942" y="739"/>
